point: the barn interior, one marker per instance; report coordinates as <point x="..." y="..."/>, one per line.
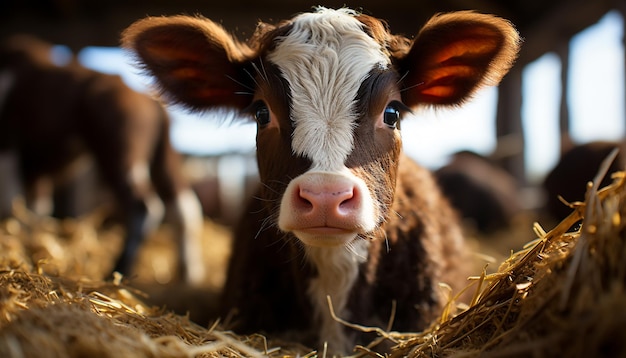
<point x="547" y="27"/>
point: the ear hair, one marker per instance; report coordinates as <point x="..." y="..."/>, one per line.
<point x="195" y="62"/>
<point x="455" y="54"/>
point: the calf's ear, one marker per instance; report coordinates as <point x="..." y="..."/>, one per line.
<point x="193" y="60"/>
<point x="455" y="54"/>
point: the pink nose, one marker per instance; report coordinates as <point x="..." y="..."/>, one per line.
<point x="327" y="204"/>
<point x="327" y="209"/>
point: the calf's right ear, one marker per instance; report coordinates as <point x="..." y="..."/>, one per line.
<point x="194" y="61"/>
<point x="454" y="55"/>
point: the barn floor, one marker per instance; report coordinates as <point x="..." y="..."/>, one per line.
<point x="55" y="299"/>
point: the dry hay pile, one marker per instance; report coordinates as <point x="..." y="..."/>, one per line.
<point x="54" y="302"/>
<point x="563" y="295"/>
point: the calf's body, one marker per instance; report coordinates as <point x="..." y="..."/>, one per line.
<point x="341" y="212"/>
<point x="279" y="287"/>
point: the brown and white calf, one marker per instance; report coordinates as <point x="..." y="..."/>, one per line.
<point x="52" y="115"/>
<point x="341" y="212"/>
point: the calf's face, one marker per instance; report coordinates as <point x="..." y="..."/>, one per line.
<point x="332" y="142"/>
<point x="327" y="90"/>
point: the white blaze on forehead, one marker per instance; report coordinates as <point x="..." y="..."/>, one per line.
<point x="325" y="58"/>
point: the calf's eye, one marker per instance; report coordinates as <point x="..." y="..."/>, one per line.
<point x="262" y="115"/>
<point x="391" y="116"/>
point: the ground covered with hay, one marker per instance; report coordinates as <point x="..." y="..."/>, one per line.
<point x="563" y="294"/>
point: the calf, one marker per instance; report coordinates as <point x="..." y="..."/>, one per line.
<point x="341" y="212"/>
<point x="578" y="165"/>
<point x="485" y="194"/>
<point x="50" y="115"/>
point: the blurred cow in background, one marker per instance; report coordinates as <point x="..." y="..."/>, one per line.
<point x="578" y="165"/>
<point x="224" y="184"/>
<point x="485" y="195"/>
<point x="50" y="116"/>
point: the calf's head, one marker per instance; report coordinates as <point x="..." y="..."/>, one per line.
<point x="327" y="90"/>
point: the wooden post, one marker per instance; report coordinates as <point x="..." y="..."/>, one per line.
<point x="563" y="51"/>
<point x="510" y="137"/>
<point x="621" y="7"/>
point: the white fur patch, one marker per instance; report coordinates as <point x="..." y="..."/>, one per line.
<point x="139" y="174"/>
<point x="338" y="270"/>
<point x="325" y="58"/>
<point x="139" y="179"/>
<point x="190" y="214"/>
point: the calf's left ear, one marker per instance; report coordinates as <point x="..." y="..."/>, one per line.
<point x="453" y="55"/>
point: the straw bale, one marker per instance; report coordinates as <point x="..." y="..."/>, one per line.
<point x="564" y="295"/>
<point x="44" y="316"/>
<point x="53" y="317"/>
<point x="55" y="302"/>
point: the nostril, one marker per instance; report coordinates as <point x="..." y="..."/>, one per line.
<point x="303" y="199"/>
<point x="349" y="200"/>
